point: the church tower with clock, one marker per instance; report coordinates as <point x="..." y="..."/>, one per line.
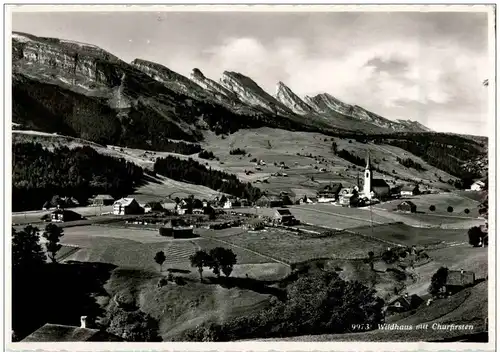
<point x="368" y="178"/>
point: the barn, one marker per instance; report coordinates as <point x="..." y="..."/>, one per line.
<point x="410" y="190"/>
<point x="285" y="217"/>
<point x="269" y="201"/>
<point x="380" y="187"/>
<point x="407" y="207"/>
<point x="330" y="193"/>
<point x="126" y="206"/>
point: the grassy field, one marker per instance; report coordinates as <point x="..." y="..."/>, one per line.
<point x="336" y="217"/>
<point x="290" y="248"/>
<point x="441" y="201"/>
<point x="181" y="307"/>
<point x="408" y="235"/>
<point x="137" y="248"/>
<point x="167" y="188"/>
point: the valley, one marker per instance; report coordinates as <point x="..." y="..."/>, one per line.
<point x="160" y="168"/>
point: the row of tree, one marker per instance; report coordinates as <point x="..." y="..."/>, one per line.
<point x="193" y="172"/>
<point x="38" y="174"/>
<point x="409" y="163"/>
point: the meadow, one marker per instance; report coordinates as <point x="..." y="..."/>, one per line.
<point x="291" y="248"/>
<point x="408" y="235"/>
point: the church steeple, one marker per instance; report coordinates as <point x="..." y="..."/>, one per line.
<point x="367" y="185"/>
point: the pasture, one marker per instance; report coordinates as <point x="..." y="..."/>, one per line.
<point x="441" y="201"/>
<point x="290" y="248"/>
<point x="408" y="235"/>
<point x="337" y="217"/>
<point x="137" y="248"/>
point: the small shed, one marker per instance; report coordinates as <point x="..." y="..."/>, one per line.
<point x="126" y="206"/>
<point x="177" y="228"/>
<point x="285" y="217"/>
<point x="102" y="200"/>
<point x="63" y="215"/>
<point x="407" y="207"/>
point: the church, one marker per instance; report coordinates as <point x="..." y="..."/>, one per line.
<point x="374" y="187"/>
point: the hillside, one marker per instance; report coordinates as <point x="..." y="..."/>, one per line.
<point x="308" y="156"/>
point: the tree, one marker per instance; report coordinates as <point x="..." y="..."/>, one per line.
<point x="438" y="280"/>
<point x="432" y="208"/>
<point x="53" y="234"/>
<point x="160" y="258"/>
<point x="371" y="257"/>
<point x="450" y="209"/>
<point x="200" y="259"/>
<point x="135" y="326"/>
<point x="476" y="236"/>
<point x="222" y="259"/>
<point x="26" y="249"/>
<point x="466" y="211"/>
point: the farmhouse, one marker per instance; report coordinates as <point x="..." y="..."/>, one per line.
<point x="410" y="190"/>
<point x="285" y="217"/>
<point x="168" y="204"/>
<point x="477" y="186"/>
<point x="269" y="201"/>
<point x="395" y="191"/>
<point x="458" y="280"/>
<point x="67" y="333"/>
<point x="62" y="215"/>
<point x="405" y="303"/>
<point x="126" y="206"/>
<point x="153" y="206"/>
<point x="349" y="199"/>
<point x="407" y="207"/>
<point x="102" y="200"/>
<point x="330" y="193"/>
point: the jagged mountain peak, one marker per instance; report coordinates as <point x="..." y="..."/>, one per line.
<point x="197" y="73"/>
<point x="291" y="100"/>
<point x="251" y="93"/>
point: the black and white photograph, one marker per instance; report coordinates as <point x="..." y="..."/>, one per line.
<point x="267" y="173"/>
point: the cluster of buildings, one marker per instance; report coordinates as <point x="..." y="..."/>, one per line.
<point x="456" y="281"/>
<point x="360" y="195"/>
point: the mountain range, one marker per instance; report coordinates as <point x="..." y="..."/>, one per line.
<point x="81" y="90"/>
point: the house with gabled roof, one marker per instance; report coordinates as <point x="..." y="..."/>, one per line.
<point x="126" y="206"/>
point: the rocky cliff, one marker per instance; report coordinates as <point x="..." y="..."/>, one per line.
<point x="291" y="100"/>
<point x="251" y="93"/>
<point x="84" y="91"/>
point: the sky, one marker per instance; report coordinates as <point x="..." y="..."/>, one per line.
<point x="423" y="66"/>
